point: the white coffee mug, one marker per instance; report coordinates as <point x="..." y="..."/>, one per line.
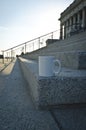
<point x="47" y="66"/>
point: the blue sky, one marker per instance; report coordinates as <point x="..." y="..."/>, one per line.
<point x="23" y="20"/>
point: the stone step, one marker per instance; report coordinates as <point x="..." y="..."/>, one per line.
<point x="77" y="42"/>
<point x="66" y="88"/>
<point x="69" y="41"/>
<point x="71" y="52"/>
<point x="69" y="59"/>
<point x="78" y="46"/>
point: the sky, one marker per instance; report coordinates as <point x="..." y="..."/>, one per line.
<point x="23" y="20"/>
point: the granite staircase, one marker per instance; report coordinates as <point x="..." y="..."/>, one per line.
<point x="69" y="86"/>
<point x="64" y="94"/>
<point x="60" y="100"/>
<point x="71" y="52"/>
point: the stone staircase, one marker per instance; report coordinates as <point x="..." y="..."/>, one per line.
<point x="60" y="100"/>
<point x="69" y="86"/>
<point x="71" y="52"/>
<point x="64" y="94"/>
<point x="66" y="88"/>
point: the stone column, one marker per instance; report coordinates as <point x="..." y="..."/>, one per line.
<point x="78" y="20"/>
<point x="64" y="30"/>
<point x="74" y="22"/>
<point x="61" y="31"/>
<point x="83" y="18"/>
<point x="70" y="23"/>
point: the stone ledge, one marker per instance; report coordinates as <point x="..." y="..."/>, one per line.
<point x="72" y="59"/>
<point x="69" y="59"/>
<point x="51" y="41"/>
<point x="62" y="89"/>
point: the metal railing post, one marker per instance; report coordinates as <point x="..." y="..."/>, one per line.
<point x="11" y="54"/>
<point x="3" y="57"/>
<point x="7" y="56"/>
<point x="25" y="47"/>
<point x="33" y="46"/>
<point x="52" y="35"/>
<point x="39" y="42"/>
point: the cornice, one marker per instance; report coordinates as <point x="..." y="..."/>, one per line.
<point x="70" y="7"/>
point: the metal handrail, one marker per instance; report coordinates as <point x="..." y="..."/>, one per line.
<point x="33" y="42"/>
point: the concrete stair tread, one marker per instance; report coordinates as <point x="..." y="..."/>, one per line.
<point x="72" y="73"/>
<point x="71" y="40"/>
<point x="65" y="72"/>
<point x="66" y="50"/>
<point x="65" y="88"/>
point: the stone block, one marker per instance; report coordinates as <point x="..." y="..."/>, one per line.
<point x="68" y="87"/>
<point x="61" y="90"/>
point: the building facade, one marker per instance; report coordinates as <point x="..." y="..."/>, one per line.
<point x="73" y="19"/>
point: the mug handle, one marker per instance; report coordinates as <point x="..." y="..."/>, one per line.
<point x="59" y="65"/>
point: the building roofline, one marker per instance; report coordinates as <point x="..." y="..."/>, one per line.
<point x="70" y="7"/>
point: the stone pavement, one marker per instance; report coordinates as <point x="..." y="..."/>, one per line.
<point x="71" y="118"/>
<point x="17" y="111"/>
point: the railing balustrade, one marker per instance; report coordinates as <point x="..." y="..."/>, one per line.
<point x="29" y="46"/>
